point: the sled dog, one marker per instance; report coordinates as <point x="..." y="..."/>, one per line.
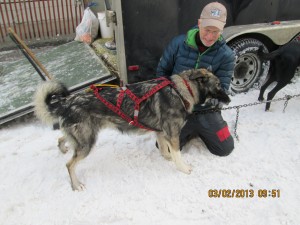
<point x="284" y="62"/>
<point x="82" y="115"/>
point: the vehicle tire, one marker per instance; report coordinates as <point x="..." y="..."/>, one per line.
<point x="297" y="38"/>
<point x="248" y="67"/>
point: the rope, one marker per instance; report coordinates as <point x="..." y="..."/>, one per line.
<point x="102" y="85"/>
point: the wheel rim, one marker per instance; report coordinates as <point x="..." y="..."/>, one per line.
<point x="246" y="70"/>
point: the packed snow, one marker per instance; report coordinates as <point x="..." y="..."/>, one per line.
<point x="128" y="182"/>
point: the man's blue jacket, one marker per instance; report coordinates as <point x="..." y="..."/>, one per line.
<point x="182" y="54"/>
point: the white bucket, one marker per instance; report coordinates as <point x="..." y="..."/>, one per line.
<point x="106" y="32"/>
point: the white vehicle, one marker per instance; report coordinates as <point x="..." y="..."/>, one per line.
<point x="245" y="40"/>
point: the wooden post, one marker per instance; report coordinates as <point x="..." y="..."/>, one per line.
<point x="30" y="53"/>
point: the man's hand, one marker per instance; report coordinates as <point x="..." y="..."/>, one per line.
<point x="215" y="103"/>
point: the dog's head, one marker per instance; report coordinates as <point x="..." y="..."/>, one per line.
<point x="209" y="85"/>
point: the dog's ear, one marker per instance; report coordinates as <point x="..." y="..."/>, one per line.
<point x="199" y="74"/>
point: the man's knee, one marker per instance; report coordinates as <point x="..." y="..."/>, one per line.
<point x="223" y="148"/>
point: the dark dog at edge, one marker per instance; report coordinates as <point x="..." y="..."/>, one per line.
<point x="284" y="62"/>
<point x="81" y="116"/>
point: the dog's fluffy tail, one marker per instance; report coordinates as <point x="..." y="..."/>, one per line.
<point x="266" y="56"/>
<point x="47" y="101"/>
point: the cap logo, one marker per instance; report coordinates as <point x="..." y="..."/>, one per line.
<point x="215" y="13"/>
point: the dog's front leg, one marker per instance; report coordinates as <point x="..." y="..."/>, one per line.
<point x="163" y="146"/>
<point x="176" y="156"/>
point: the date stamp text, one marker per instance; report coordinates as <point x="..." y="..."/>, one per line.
<point x="243" y="193"/>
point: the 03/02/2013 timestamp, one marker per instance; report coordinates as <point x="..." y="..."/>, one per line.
<point x="243" y="193"/>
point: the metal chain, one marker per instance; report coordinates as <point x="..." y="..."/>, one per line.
<point x="288" y="97"/>
<point x="236" y="123"/>
<point x="237" y="107"/>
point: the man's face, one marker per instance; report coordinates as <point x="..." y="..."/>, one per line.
<point x="208" y="35"/>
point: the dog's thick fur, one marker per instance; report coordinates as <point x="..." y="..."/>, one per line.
<point x="284" y="62"/>
<point x="82" y="115"/>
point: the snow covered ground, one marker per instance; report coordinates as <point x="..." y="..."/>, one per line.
<point x="128" y="182"/>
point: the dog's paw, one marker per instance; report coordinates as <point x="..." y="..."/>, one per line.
<point x="185" y="168"/>
<point x="62" y="145"/>
<point x="78" y="187"/>
<point x="260" y="99"/>
<point x="64" y="149"/>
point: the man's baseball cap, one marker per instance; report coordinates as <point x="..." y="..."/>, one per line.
<point x="214" y="14"/>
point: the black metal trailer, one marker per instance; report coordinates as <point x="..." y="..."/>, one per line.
<point x="143" y="29"/>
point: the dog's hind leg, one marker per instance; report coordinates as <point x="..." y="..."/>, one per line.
<point x="78" y="155"/>
<point x="173" y="144"/>
<point x="82" y="138"/>
<point x="269" y="80"/>
<point x="273" y="92"/>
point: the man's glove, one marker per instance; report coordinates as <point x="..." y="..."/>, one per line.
<point x="213" y="102"/>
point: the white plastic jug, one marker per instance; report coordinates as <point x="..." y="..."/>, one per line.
<point x="106" y="32"/>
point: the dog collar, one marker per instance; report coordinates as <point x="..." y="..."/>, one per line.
<point x="184" y="101"/>
<point x="188" y="87"/>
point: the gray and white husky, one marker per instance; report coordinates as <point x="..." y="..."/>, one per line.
<point x="82" y="115"/>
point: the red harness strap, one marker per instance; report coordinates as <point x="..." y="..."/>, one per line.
<point x="188" y="87"/>
<point x="124" y="90"/>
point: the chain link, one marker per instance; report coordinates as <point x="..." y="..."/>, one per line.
<point x="237" y="107"/>
<point x="288" y="97"/>
<point x="236" y="123"/>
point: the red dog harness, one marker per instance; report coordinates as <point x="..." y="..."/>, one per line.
<point x="125" y="90"/>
